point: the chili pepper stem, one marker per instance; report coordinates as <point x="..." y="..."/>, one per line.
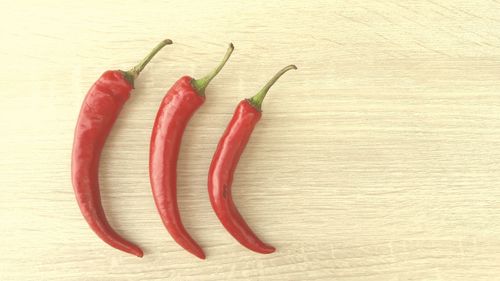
<point x="257" y="100"/>
<point x="134" y="72"/>
<point x="202" y="83"/>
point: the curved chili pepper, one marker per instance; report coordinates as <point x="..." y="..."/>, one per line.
<point x="177" y="107"/>
<point x="224" y="162"/>
<point x="98" y="113"/>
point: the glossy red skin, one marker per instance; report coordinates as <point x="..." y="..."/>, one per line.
<point x="98" y="113"/>
<point x="220" y="176"/>
<point x="176" y="109"/>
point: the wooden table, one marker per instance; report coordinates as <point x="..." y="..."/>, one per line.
<point x="377" y="160"/>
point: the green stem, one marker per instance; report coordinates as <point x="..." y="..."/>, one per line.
<point x="259" y="97"/>
<point x="202" y="83"/>
<point x="134" y="72"/>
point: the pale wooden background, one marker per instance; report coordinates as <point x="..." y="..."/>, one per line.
<point x="377" y="160"/>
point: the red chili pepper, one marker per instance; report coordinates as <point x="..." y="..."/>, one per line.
<point x="177" y="107"/>
<point x="99" y="111"/>
<point x="224" y="162"/>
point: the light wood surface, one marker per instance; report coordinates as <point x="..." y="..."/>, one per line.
<point x="377" y="160"/>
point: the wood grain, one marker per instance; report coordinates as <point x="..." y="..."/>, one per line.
<point x="377" y="160"/>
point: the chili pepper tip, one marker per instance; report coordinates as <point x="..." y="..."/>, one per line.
<point x="139" y="254"/>
<point x="134" y="250"/>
